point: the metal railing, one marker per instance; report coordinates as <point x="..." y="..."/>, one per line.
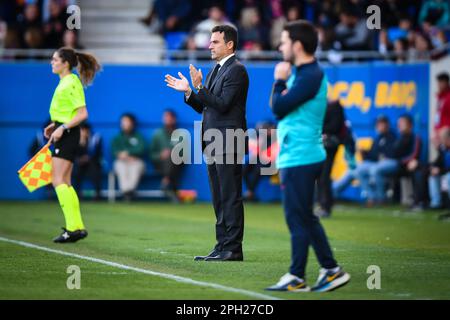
<point x="161" y="56"/>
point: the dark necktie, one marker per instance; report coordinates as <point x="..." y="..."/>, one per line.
<point x="214" y="74"/>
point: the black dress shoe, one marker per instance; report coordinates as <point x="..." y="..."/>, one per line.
<point x="211" y="254"/>
<point x="70" y="236"/>
<point x="227" y="256"/>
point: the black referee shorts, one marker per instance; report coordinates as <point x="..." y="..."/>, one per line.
<point x="66" y="147"/>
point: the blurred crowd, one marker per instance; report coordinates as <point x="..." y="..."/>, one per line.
<point x="411" y="29"/>
<point x="36" y="24"/>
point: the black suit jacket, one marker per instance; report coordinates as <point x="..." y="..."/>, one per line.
<point x="222" y="103"/>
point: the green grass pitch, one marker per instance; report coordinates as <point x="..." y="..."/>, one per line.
<point x="411" y="249"/>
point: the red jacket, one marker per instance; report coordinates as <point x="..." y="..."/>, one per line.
<point x="443" y="110"/>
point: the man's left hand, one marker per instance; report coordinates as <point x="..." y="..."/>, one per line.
<point x="196" y="76"/>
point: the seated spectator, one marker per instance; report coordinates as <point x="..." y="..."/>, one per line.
<point x="88" y="162"/>
<point x="440" y="169"/>
<point x="128" y="148"/>
<point x="352" y="32"/>
<point x="377" y="162"/>
<point x="420" y="50"/>
<point x="12" y="39"/>
<point x="407" y="151"/>
<point x="56" y="24"/>
<point x="30" y="25"/>
<point x="168" y="15"/>
<point x="400" y="157"/>
<point x="261" y="155"/>
<point x="401" y="49"/>
<point x="33" y="38"/>
<point x="161" y="147"/>
<point x="252" y="32"/>
<point x="201" y="33"/>
<point x="70" y="40"/>
<point x="384" y="45"/>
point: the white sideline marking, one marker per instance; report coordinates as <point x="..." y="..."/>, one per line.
<point x="145" y="271"/>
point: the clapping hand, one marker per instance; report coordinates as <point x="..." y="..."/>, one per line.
<point x="181" y="84"/>
<point x="196" y="76"/>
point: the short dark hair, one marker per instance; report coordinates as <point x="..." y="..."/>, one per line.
<point x="171" y="112"/>
<point x="305" y="32"/>
<point x="382" y="118"/>
<point x="130" y="116"/>
<point x="408" y="118"/>
<point x="443" y="76"/>
<point x="229" y="34"/>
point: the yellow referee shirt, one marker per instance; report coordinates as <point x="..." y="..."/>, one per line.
<point x="68" y="97"/>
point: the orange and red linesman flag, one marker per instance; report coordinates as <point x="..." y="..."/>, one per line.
<point x="37" y="172"/>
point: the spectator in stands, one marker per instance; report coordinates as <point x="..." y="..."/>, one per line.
<point x="439" y="169"/>
<point x="407" y="150"/>
<point x="421" y="48"/>
<point x="326" y="38"/>
<point x="401" y="49"/>
<point x="290" y="11"/>
<point x="384" y="45"/>
<point x="88" y="162"/>
<point x="34" y="38"/>
<point x="277" y="20"/>
<point x="443" y="106"/>
<point x="56" y="24"/>
<point x="377" y="162"/>
<point x="352" y="32"/>
<point x="202" y="31"/>
<point x="30" y="26"/>
<point x="440" y="41"/>
<point x="435" y="11"/>
<point x="169" y="15"/>
<point x="161" y="147"/>
<point x="261" y="155"/>
<point x="12" y="39"/>
<point x="332" y="133"/>
<point x="327" y="16"/>
<point x="128" y="148"/>
<point x="252" y="32"/>
<point x="70" y="39"/>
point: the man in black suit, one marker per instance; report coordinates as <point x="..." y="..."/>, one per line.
<point x="222" y="103"/>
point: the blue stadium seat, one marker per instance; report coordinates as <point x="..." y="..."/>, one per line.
<point x="175" y="40"/>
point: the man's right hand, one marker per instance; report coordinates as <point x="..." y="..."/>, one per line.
<point x="49" y="130"/>
<point x="181" y="85"/>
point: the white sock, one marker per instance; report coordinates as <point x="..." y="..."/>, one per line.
<point x="334" y="270"/>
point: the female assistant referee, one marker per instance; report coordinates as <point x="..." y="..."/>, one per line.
<point x="67" y="111"/>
